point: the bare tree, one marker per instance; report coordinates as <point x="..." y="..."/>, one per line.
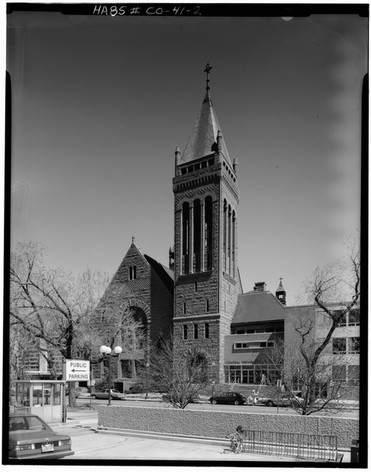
<point x="181" y="381"/>
<point x="308" y="364"/>
<point x="50" y="306"/>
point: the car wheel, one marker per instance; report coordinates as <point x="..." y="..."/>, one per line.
<point x="270" y="403"/>
<point x="93" y="396"/>
<point x="213" y="402"/>
<point x="236" y="402"/>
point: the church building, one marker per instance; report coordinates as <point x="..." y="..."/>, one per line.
<point x="198" y="298"/>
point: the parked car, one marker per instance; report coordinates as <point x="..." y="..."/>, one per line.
<point x="31" y="438"/>
<point x="115" y="395"/>
<point x="228" y="398"/>
<point x="283" y="399"/>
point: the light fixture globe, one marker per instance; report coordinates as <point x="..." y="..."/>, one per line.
<point x="118" y="350"/>
<point x="102" y="349"/>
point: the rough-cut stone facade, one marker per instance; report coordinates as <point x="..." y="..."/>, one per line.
<point x="216" y="423"/>
<point x="144" y="285"/>
<point x="209" y="294"/>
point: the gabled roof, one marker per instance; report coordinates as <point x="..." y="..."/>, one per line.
<point x="258" y="306"/>
<point x="164" y="273"/>
<point x="203" y="135"/>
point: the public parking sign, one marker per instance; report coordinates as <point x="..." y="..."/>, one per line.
<point x="77" y="370"/>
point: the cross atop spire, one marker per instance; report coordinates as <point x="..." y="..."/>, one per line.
<point x="207" y="70"/>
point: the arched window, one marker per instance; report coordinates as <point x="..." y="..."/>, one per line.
<point x="225" y="235"/>
<point x="229" y="239"/>
<point x="234" y="244"/>
<point x="197" y="235"/>
<point x="185" y="238"/>
<point x="208" y="232"/>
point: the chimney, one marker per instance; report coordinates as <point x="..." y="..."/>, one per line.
<point x="260" y="287"/>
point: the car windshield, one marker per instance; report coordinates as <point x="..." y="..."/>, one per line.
<point x="29" y="423"/>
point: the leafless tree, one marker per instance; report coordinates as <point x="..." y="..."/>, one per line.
<point x="49" y="306"/>
<point x="308" y="366"/>
<point x="181" y="381"/>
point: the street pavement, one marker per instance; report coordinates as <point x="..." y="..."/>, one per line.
<point x="89" y="443"/>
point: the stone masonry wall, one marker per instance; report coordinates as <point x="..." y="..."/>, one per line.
<point x="216" y="424"/>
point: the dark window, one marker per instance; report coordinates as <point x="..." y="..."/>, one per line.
<point x="196" y="287"/>
<point x="195" y="331"/>
<point x="339" y="346"/>
<point x="184" y="308"/>
<point x="207" y="306"/>
<point x="206" y="330"/>
<point x="343" y="319"/>
<point x="185" y="332"/>
<point x="339" y="372"/>
<point x="353" y="318"/>
<point x="353" y="346"/>
<point x="353" y="374"/>
<point x="132" y="272"/>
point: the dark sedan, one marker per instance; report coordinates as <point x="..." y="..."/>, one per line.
<point x="31" y="438"/>
<point x="228" y="398"/>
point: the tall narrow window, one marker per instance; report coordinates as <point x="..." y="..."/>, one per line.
<point x="185" y="332"/>
<point x="195" y="331"/>
<point x="207" y="330"/>
<point x="197" y="235"/>
<point x="229" y="257"/>
<point x="184" y="308"/>
<point x="132" y="272"/>
<point x="208" y="231"/>
<point x="233" y="244"/>
<point x="225" y="235"/>
<point x="207" y="306"/>
<point x="185" y="239"/>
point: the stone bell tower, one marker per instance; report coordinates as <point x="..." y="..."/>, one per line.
<point x="205" y="247"/>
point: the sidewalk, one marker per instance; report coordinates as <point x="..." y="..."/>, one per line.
<point x="174" y="447"/>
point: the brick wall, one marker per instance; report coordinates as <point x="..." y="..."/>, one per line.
<point x="215" y="424"/>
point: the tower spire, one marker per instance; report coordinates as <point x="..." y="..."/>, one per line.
<point x="207" y="70"/>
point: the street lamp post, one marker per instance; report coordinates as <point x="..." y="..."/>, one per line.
<point x="107" y="352"/>
<point x="147" y="373"/>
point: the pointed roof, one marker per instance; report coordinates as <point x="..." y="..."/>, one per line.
<point x="280" y="287"/>
<point x="204" y="134"/>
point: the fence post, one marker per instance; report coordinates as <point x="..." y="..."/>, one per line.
<point x="354" y="451"/>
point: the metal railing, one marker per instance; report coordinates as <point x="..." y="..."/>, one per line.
<point x="298" y="445"/>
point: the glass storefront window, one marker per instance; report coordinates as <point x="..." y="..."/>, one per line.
<point x="37" y="396"/>
<point x="47" y="394"/>
<point x="57" y="394"/>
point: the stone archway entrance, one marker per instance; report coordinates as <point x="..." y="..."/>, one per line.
<point x="136" y="337"/>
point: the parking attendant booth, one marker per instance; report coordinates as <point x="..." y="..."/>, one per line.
<point x="44" y="398"/>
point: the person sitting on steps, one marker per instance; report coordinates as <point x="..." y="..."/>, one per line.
<point x="236" y="439"/>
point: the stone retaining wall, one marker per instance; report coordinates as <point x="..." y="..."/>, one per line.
<point x="215" y="424"/>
